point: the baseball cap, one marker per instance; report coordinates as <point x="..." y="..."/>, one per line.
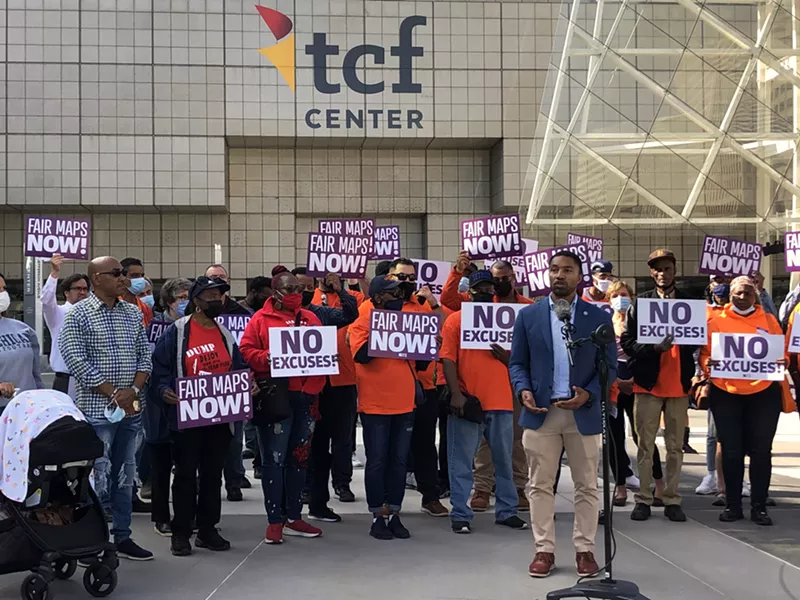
<point x="602" y="266"/>
<point x="480" y="276"/>
<point x="381" y="284"/>
<point x="660" y="253"/>
<point x="278" y="269"/>
<point x="203" y="283"/>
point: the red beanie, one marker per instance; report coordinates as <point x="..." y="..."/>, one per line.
<point x="278" y="269"/>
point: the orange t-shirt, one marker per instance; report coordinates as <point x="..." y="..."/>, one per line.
<point x="479" y="373"/>
<point x="347" y="368"/>
<point x="668" y="384"/>
<point x="386" y="386"/>
<point x="147" y="312"/>
<point x="206" y="352"/>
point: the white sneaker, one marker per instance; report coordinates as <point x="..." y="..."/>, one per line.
<point x="411" y="481"/>
<point x="357" y="464"/>
<point x="708" y="485"/>
<point x="632" y="482"/>
<point x="745" y="489"/>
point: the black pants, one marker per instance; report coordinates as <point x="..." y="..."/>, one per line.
<point x="203" y="450"/>
<point x="331" y="446"/>
<point x="746" y="425"/>
<point x="424" y="455"/>
<point x="620" y="461"/>
<point x="61" y="383"/>
<point x="160" y="473"/>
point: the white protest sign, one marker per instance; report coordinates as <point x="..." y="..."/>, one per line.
<point x="685" y="320"/>
<point x="794" y="337"/>
<point x="433" y="273"/>
<point x="747" y="356"/>
<point x="486" y="323"/>
<point x="303" y="351"/>
<point x="213" y="399"/>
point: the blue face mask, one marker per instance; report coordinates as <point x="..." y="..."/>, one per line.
<point x="148" y="300"/>
<point x="113" y="413"/>
<point x="181" y="308"/>
<point x="137" y="286"/>
<point x="463" y="285"/>
<point x="620" y="304"/>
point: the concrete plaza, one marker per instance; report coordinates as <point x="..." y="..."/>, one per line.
<point x="701" y="559"/>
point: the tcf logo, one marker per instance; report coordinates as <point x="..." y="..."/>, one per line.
<point x="282" y="55"/>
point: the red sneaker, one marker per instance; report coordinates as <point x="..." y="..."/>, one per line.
<point x="275" y="533"/>
<point x="302" y="529"/>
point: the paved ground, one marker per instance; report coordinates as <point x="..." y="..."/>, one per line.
<point x="697" y="560"/>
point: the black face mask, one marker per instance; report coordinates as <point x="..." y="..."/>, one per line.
<point x="502" y="288"/>
<point x="308" y="296"/>
<point x="354" y="287"/>
<point x="482" y="297"/>
<point x="213" y="309"/>
<point x="258" y="303"/>
<point x="407" y="288"/>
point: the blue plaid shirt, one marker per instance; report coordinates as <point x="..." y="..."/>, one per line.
<point x="101" y="344"/>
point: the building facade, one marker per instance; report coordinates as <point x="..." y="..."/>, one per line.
<point x="181" y="126"/>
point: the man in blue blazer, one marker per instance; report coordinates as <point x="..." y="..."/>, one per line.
<point x="561" y="409"/>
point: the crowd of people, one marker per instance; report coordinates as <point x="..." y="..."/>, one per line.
<point x="504" y="418"/>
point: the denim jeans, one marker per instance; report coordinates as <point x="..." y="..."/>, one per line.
<point x="285" y="448"/>
<point x="234" y="462"/>
<point x="463" y="438"/>
<point x="115" y="472"/>
<point x="387" y="439"/>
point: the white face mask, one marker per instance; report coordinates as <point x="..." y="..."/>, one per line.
<point x="744" y="313"/>
<point x="5" y="301"/>
<point x="602" y="284"/>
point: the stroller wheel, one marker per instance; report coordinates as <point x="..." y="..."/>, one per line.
<point x="64" y="569"/>
<point x="35" y="587"/>
<point x="100" y="580"/>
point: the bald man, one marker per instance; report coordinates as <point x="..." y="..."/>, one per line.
<point x="104" y="345"/>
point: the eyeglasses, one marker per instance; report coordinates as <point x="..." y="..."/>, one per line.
<point x="405" y="277"/>
<point x="292" y="289"/>
<point x="84" y="290"/>
<point x="115" y="272"/>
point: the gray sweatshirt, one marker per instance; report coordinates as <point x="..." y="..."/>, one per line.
<point x="19" y="356"/>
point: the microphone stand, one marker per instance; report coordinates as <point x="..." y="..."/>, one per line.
<point x="607" y="588"/>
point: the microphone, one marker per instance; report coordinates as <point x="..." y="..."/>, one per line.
<point x="603" y="335"/>
<point x="563" y="311"/>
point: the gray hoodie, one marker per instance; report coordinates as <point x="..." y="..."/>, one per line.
<point x="19" y="356"/>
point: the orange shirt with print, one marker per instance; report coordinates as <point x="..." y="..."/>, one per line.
<point x="726" y="320"/>
<point x="386" y="386"/>
<point x="479" y="373"/>
<point x="206" y="352"/>
<point x="347" y="368"/>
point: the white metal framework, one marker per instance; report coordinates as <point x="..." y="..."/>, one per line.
<point x="681" y="112"/>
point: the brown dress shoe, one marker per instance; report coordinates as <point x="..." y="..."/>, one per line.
<point x="542" y="564"/>
<point x="586" y="564"/>
<point x="480" y="501"/>
<point x="524" y="505"/>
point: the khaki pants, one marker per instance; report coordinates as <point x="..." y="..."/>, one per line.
<point x="647" y="411"/>
<point x="484" y="467"/>
<point x="543" y="450"/>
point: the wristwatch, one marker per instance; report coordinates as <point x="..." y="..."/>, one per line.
<point x="136" y="389"/>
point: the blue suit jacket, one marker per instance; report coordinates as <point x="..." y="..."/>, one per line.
<point x="531" y="365"/>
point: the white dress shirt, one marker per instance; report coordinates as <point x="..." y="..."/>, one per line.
<point x="54" y="314"/>
<point x="561" y="387"/>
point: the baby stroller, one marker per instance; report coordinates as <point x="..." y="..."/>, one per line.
<point x="51" y="518"/>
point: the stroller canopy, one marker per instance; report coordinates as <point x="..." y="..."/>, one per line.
<point x="25" y="417"/>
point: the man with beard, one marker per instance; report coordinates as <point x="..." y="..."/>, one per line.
<point x="559" y="388"/>
<point x="662" y="375"/>
<point x="259" y="290"/>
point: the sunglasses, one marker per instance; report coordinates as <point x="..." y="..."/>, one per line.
<point x="115" y="272"/>
<point x="404" y="277"/>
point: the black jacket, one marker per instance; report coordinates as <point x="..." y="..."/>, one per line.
<point x="643" y="359"/>
<point x="232" y="307"/>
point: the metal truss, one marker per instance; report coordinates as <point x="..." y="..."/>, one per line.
<point x="764" y="63"/>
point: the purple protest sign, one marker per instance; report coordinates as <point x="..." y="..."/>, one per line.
<point x="214" y="399"/>
<point x="791" y="243"/>
<point x="351" y="227"/>
<point x="594" y="246"/>
<point x="729" y="257"/>
<point x="346" y="255"/>
<point x="45" y="236"/>
<point x="492" y="236"/>
<point x="155" y="330"/>
<point x="537" y="267"/>
<point x="236" y="324"/>
<point x="406" y="335"/>
<point x="387" y="242"/>
<point x="518" y="262"/>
